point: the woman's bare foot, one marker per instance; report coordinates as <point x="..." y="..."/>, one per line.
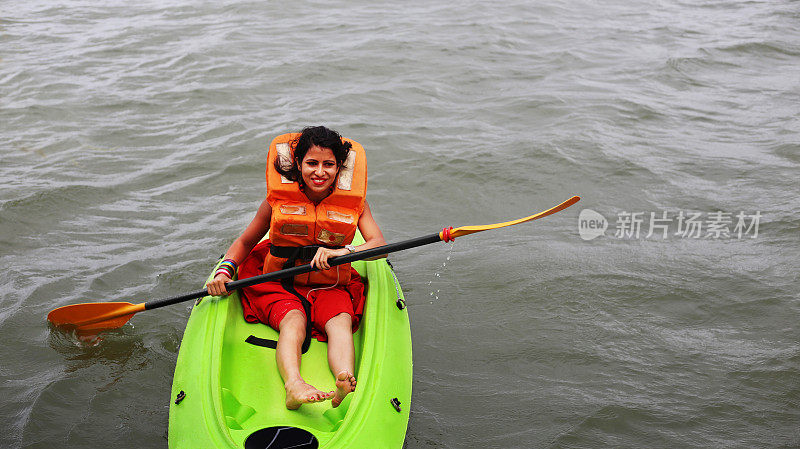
<point x="345" y="384"/>
<point x="299" y="393"/>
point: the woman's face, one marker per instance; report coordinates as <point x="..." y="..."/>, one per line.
<point x="318" y="170"/>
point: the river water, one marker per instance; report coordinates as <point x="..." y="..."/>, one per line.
<point x="133" y="138"/>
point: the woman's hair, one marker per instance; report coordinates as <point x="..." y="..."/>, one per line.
<point x="310" y="136"/>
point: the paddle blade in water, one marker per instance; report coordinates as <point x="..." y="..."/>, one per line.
<point x="93" y="317"/>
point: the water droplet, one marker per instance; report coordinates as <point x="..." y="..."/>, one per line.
<point x="438" y="273"/>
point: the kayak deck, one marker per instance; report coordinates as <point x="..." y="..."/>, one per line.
<point x="232" y="389"/>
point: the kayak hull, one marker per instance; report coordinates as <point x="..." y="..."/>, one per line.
<point x="227" y="392"/>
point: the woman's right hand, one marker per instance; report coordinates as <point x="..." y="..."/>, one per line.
<point x="216" y="286"/>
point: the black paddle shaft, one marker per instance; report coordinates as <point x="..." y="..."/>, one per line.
<point x="301" y="269"/>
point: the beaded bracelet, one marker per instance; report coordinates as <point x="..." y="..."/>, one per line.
<point x="226" y="267"/>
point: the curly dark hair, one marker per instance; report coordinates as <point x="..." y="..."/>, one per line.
<point x="310" y="136"/>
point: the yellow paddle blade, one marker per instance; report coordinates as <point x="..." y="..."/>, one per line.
<point x="93" y="317"/>
<point x="466" y="230"/>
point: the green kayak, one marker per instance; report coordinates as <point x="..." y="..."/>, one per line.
<point x="227" y="393"/>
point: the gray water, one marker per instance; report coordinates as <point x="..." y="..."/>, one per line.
<point x="133" y="138"/>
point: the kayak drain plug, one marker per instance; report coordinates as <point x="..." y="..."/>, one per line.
<point x="395" y="403"/>
<point x="180" y="397"/>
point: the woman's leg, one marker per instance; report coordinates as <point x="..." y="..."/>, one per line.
<point x="292" y="330"/>
<point x="341" y="355"/>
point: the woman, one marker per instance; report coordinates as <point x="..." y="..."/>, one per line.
<point x="316" y="184"/>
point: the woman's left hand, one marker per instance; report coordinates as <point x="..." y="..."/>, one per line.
<point x="320" y="260"/>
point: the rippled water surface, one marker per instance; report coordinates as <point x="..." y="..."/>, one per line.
<point x="133" y="138"/>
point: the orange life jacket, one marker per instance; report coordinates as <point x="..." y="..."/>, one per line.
<point x="297" y="221"/>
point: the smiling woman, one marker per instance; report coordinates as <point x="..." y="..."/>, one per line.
<point x="319" y="154"/>
<point x="311" y="216"/>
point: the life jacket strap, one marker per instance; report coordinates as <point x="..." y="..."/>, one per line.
<point x="292" y="254"/>
<point x="297" y="252"/>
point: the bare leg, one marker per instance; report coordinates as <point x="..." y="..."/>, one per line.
<point x="287" y="353"/>
<point x="341" y="355"/>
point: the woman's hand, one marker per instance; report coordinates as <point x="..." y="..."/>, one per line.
<point x="216" y="286"/>
<point x="320" y="260"/>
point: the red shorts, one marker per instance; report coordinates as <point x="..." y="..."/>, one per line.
<point x="325" y="304"/>
<point x="269" y="302"/>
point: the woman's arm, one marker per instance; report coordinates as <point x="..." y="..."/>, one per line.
<point x="242" y="246"/>
<point x="373" y="238"/>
